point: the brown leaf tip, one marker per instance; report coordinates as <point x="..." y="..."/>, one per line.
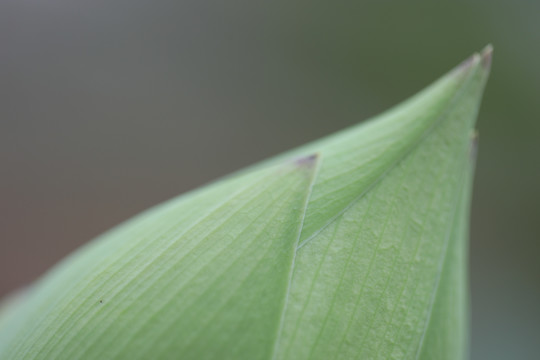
<point x="485" y="57"/>
<point x="307" y="161"/>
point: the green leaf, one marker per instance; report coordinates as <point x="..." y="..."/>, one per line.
<point x="357" y="252"/>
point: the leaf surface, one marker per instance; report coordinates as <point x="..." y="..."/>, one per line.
<point x="358" y="252"/>
<point x="210" y="266"/>
<point x="365" y="282"/>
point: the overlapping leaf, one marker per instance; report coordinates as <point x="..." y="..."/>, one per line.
<point x="357" y="252"/>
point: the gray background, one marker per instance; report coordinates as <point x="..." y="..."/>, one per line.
<point x="109" y="107"/>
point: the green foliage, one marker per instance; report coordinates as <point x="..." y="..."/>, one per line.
<point x="351" y="247"/>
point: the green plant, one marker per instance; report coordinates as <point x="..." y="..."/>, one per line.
<point x="350" y="247"/>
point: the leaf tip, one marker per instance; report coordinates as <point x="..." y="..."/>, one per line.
<point x="485" y="57"/>
<point x="308" y="161"/>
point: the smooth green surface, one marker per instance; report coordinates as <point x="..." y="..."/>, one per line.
<point x="356" y="252"/>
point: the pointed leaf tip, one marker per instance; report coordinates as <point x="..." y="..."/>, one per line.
<point x="307" y="161"/>
<point x="486" y="55"/>
<point x="483" y="58"/>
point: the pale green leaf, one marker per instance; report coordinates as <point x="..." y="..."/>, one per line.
<point x="358" y="252"/>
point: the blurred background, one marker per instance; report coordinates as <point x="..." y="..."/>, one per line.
<point x="109" y="107"/>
